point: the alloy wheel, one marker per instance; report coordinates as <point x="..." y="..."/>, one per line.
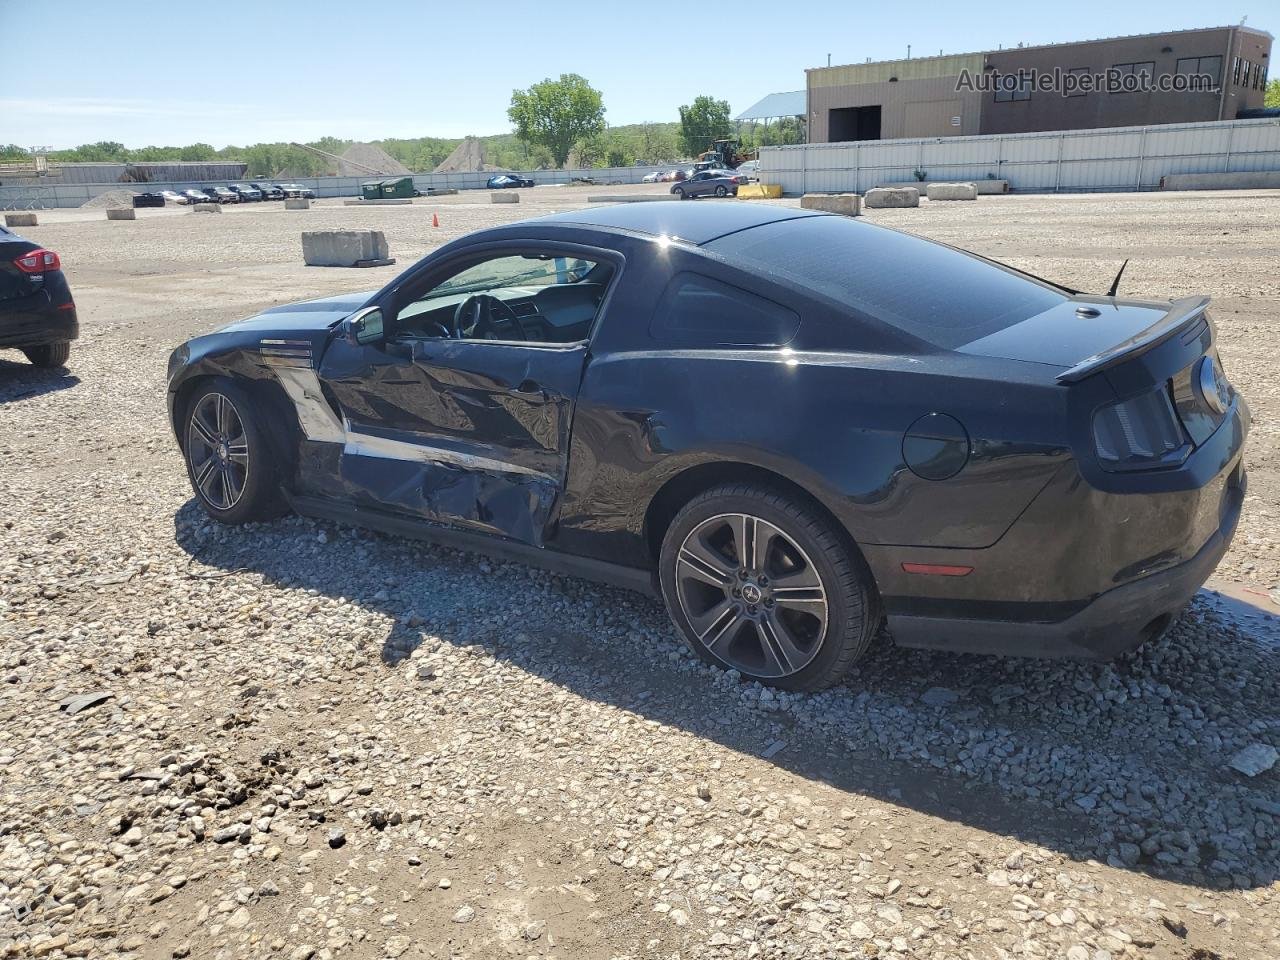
<point x="751" y="595"/>
<point x="218" y="451"/>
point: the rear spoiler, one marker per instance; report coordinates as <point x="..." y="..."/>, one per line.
<point x="1182" y="314"/>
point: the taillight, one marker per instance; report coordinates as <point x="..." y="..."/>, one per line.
<point x="1141" y="433"/>
<point x="38" y="261"/>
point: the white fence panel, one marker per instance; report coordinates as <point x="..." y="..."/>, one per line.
<point x="1122" y="158"/>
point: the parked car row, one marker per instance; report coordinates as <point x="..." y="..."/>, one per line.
<point x="229" y="193"/>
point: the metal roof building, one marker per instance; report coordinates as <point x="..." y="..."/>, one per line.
<point x="776" y="105"/>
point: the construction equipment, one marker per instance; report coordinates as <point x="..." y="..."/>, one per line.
<point x="724" y="154"/>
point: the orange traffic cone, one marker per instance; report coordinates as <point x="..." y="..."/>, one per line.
<point x="435" y="220"/>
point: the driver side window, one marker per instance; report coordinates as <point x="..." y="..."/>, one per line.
<point x="529" y="297"/>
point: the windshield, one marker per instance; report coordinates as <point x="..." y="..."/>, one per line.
<point x="521" y="271"/>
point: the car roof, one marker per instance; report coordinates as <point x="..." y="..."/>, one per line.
<point x="696" y="223"/>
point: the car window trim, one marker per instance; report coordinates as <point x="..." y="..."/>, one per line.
<point x="393" y="297"/>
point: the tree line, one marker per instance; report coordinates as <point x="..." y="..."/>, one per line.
<point x="556" y="123"/>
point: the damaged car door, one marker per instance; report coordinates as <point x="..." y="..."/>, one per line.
<point x="459" y="410"/>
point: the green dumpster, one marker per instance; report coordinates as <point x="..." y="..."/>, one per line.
<point x="398" y="188"/>
<point x="371" y="190"/>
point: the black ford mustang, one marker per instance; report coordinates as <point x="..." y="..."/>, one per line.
<point x="788" y="424"/>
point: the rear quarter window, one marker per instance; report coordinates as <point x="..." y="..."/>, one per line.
<point x="698" y="311"/>
<point x="937" y="294"/>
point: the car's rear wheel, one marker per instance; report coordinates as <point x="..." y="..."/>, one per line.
<point x="230" y="463"/>
<point x="721" y="191"/>
<point x="49" y="355"/>
<point x="760" y="583"/>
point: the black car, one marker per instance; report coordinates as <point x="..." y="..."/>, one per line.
<point x="791" y="425"/>
<point x="37" y="314"/>
<point x="506" y="181"/>
<point x="222" y="194"/>
<point x="247" y="192"/>
<point x="270" y="191"/>
<point x="296" y="190"/>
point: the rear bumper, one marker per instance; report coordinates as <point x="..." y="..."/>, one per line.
<point x="1112" y="623"/>
<point x="37" y="320"/>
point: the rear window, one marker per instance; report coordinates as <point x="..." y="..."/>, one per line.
<point x="932" y="292"/>
<point x="697" y="311"/>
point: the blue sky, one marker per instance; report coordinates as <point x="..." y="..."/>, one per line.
<point x="146" y="72"/>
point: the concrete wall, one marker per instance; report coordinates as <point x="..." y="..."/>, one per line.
<point x="47" y="195"/>
<point x="1112" y="159"/>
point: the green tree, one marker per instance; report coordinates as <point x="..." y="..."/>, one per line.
<point x="197" y="153"/>
<point x="1272" y="94"/>
<point x="557" y="114"/>
<point x="701" y="122"/>
<point x="12" y="153"/>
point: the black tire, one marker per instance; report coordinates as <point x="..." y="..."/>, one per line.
<point x="679" y="192"/>
<point x="851" y="609"/>
<point x="259" y="495"/>
<point x="722" y="191"/>
<point x="49" y="355"/>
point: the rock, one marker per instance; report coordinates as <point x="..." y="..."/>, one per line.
<point x="704" y="791"/>
<point x="337" y="837"/>
<point x="240" y="919"/>
<point x="939" y="697"/>
<point x="1173" y="923"/>
<point x="226" y="834"/>
<point x="534" y="930"/>
<point x="397" y="946"/>
<point x="860" y="931"/>
<point x="1255" y="759"/>
<point x="465" y="914"/>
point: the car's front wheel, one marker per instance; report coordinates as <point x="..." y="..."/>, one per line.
<point x="679" y="192"/>
<point x="232" y="470"/>
<point x="49" y="355"/>
<point x="759" y="583"/>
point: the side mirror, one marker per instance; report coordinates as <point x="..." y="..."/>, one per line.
<point x="364" y="327"/>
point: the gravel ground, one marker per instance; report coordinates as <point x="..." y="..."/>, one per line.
<point x="312" y="741"/>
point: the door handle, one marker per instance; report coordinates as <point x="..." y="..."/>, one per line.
<point x="530" y="390"/>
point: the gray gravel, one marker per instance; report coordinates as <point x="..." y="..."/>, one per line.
<point x="321" y="742"/>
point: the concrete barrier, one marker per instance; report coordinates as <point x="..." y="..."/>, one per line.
<point x="952" y="191"/>
<point x="20" y="220"/>
<point x="297" y="203"/>
<point x="848" y="204"/>
<point x="502" y="196"/>
<point x="345" y="248"/>
<point x="1249" y="180"/>
<point x="206" y="208"/>
<point x="387" y="202"/>
<point x="879" y="198"/>
<point x="121" y="213"/>
<point x="984" y="186"/>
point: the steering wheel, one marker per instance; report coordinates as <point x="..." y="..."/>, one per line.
<point x="483" y="317"/>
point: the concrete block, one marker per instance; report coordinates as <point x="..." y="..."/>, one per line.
<point x="20" y="220"/>
<point x="206" y="208"/>
<point x="504" y="196"/>
<point x="759" y="191"/>
<point x="121" y="213"/>
<point x="879" y="198"/>
<point x="1247" y="180"/>
<point x="848" y="204"/>
<point x="344" y="248"/>
<point x="984" y="186"/>
<point x="297" y="203"/>
<point x="952" y="191"/>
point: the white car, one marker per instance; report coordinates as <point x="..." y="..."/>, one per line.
<point x="652" y="177"/>
<point x="173" y="196"/>
<point x="749" y="169"/>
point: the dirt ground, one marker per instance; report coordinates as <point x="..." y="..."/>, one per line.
<point x="321" y="742"/>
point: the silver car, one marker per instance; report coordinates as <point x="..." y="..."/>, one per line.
<point x="718" y="183"/>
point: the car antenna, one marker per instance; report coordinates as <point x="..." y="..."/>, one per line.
<point x="1115" y="284"/>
